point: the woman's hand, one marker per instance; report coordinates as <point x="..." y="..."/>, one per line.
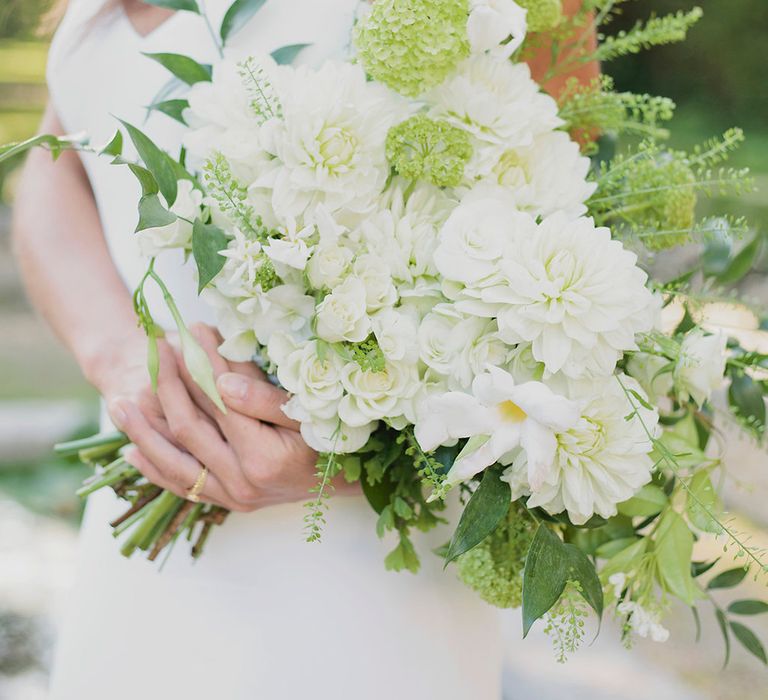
<point x="255" y="455"/>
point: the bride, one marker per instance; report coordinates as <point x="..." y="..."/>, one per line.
<point x="262" y="614"/>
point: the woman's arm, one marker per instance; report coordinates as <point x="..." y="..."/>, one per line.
<point x="65" y="264"/>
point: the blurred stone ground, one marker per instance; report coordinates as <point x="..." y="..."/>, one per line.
<point x="43" y="398"/>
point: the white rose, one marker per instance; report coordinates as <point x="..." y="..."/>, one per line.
<point x="379" y="289"/>
<point x="335" y="436"/>
<point x="396" y="334"/>
<point x="478" y="234"/>
<point x="493" y="21"/>
<point x="342" y="314"/>
<point x="327" y="266"/>
<point x="375" y="395"/>
<point x="178" y="234"/>
<point x="314" y="379"/>
<point x="701" y="365"/>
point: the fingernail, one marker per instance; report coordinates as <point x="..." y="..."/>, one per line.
<point x="118" y="415"/>
<point x="233" y="385"/>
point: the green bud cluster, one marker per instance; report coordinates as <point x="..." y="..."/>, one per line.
<point x="413" y="45"/>
<point x="427" y="149"/>
<point x="495" y="567"/>
<point x="543" y="15"/>
<point x="368" y="355"/>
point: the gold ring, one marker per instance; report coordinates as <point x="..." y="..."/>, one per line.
<point x="193" y="494"/>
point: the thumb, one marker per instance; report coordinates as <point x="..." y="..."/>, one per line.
<point x="256" y="398"/>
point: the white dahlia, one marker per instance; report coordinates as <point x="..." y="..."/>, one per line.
<point x="329" y="144"/>
<point x="548" y="176"/>
<point x="599" y="462"/>
<point x="575" y="294"/>
<point x="496" y="101"/>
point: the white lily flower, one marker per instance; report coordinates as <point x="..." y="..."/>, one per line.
<point x="508" y="415"/>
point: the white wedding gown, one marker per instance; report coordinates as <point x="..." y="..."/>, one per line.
<point x="263" y="614"/>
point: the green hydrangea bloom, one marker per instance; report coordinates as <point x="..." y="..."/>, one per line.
<point x="413" y="45"/>
<point x="267" y="276"/>
<point x="421" y="148"/>
<point x="543" y="15"/>
<point x="369" y="355"/>
<point x="495" y="567"/>
<point x="672" y="207"/>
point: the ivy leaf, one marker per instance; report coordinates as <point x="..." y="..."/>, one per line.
<point x="184" y="68"/>
<point x="649" y="500"/>
<point x="673" y="549"/>
<point x="186" y="5"/>
<point x="728" y="579"/>
<point x="286" y="55"/>
<point x="207" y="242"/>
<point x="157" y="161"/>
<point x="749" y="641"/>
<point x="172" y="108"/>
<point x="238" y="15"/>
<point x="703" y="500"/>
<point x="152" y="213"/>
<point x="748" y="607"/>
<point x="746" y="396"/>
<point x="544" y="576"/>
<point x="485" y="509"/>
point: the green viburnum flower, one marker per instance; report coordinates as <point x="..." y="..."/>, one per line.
<point x="672" y="207"/>
<point x="543" y="15"/>
<point x="495" y="567"/>
<point x="421" y="148"/>
<point x="413" y="45"/>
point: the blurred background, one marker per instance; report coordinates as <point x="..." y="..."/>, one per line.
<point x="717" y="80"/>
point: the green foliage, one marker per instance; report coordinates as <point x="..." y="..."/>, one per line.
<point x="208" y="241"/>
<point x="237" y="16"/>
<point x="549" y="567"/>
<point x="286" y="55"/>
<point x="656" y="31"/>
<point x="595" y="108"/>
<point x="153" y="214"/>
<point x="486" y="508"/>
<point x="172" y="108"/>
<point x="157" y="162"/>
<point x="264" y="101"/>
<point x="413" y="45"/>
<point x="565" y="622"/>
<point x="184" y="68"/>
<point x="368" y="355"/>
<point x="494" y="568"/>
<point x="421" y="148"/>
<point x="266" y="276"/>
<point x="185" y="5"/>
<point x="651" y="192"/>
<point x="328" y="467"/>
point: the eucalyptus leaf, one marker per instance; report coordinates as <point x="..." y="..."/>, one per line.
<point x="172" y="108"/>
<point x="749" y="641"/>
<point x="484" y="511"/>
<point x="703" y="501"/>
<point x="722" y="622"/>
<point x="186" y="5"/>
<point x="207" y="242"/>
<point x="286" y="55"/>
<point x="748" y="607"/>
<point x="157" y="162"/>
<point x="152" y="213"/>
<point x="544" y="577"/>
<point x="673" y="549"/>
<point x="238" y="15"/>
<point x="728" y="579"/>
<point x="649" y="500"/>
<point x="115" y="145"/>
<point x="183" y="67"/>
<point x="742" y="263"/>
<point x="746" y="395"/>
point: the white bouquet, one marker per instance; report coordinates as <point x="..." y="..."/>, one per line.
<point x="415" y="247"/>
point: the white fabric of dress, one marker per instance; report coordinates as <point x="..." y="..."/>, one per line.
<point x="263" y="614"/>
